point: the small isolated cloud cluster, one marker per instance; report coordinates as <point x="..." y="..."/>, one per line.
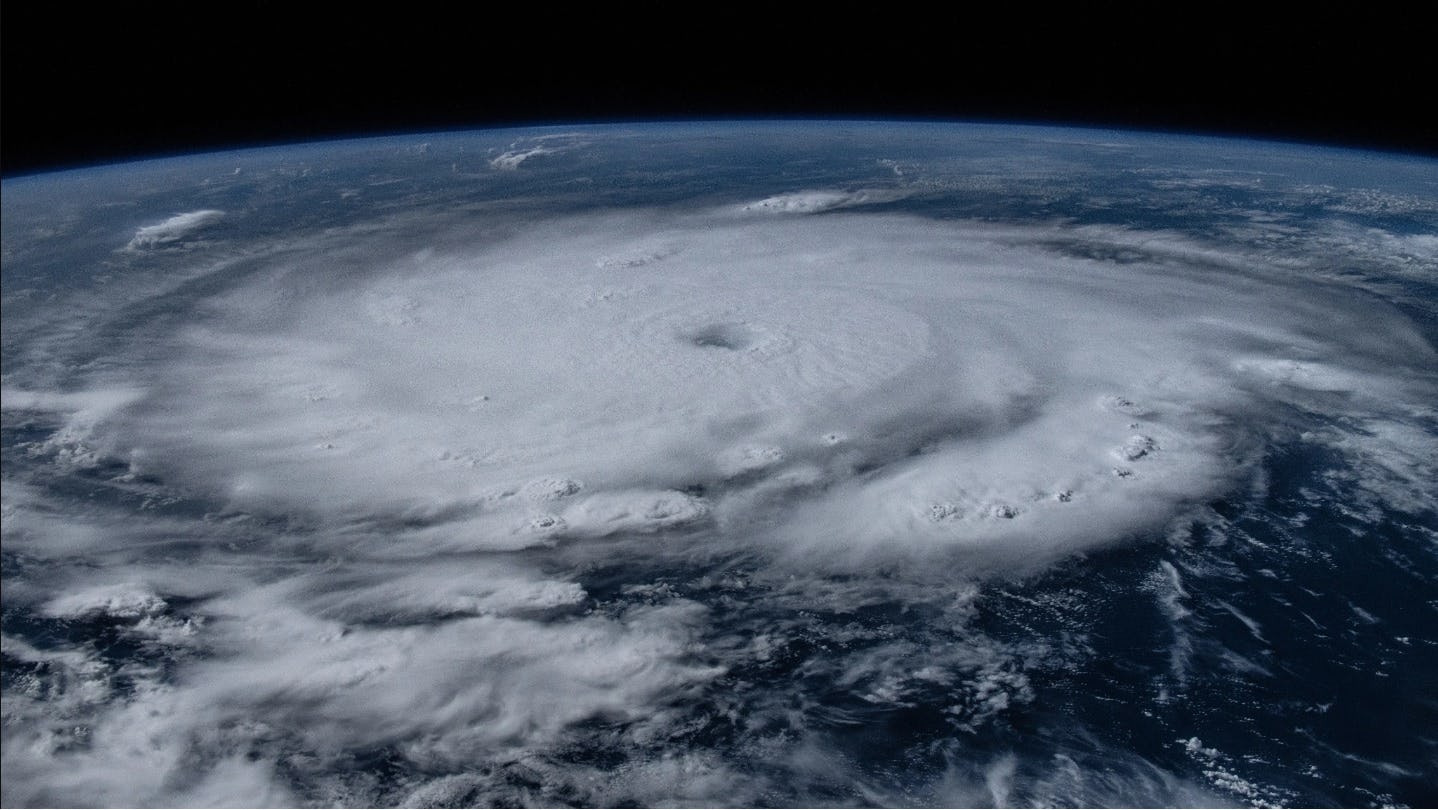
<point x="528" y="148"/>
<point x="173" y="229"/>
<point x="814" y="202"/>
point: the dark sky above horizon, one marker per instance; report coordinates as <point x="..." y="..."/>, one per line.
<point x="140" y="80"/>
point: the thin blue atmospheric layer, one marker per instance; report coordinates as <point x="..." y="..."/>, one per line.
<point x="730" y="463"/>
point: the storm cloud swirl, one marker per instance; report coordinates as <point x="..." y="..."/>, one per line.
<point x="618" y="506"/>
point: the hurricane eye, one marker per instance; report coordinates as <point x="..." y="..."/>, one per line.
<point x="731" y="336"/>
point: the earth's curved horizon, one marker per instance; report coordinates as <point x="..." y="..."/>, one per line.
<point x="740" y="464"/>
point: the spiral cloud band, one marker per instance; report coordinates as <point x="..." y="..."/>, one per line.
<point x="899" y="386"/>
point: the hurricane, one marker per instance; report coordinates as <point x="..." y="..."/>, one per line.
<point x="724" y="465"/>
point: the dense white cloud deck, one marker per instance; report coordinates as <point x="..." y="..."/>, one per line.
<point x="854" y="384"/>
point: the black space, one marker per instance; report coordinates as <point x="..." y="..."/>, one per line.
<point x="90" y="84"/>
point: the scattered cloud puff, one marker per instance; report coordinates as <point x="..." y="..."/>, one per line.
<point x="173" y="229"/>
<point x="129" y="601"/>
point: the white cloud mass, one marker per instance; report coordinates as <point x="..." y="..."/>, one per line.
<point x="972" y="373"/>
<point x="173" y="229"/>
